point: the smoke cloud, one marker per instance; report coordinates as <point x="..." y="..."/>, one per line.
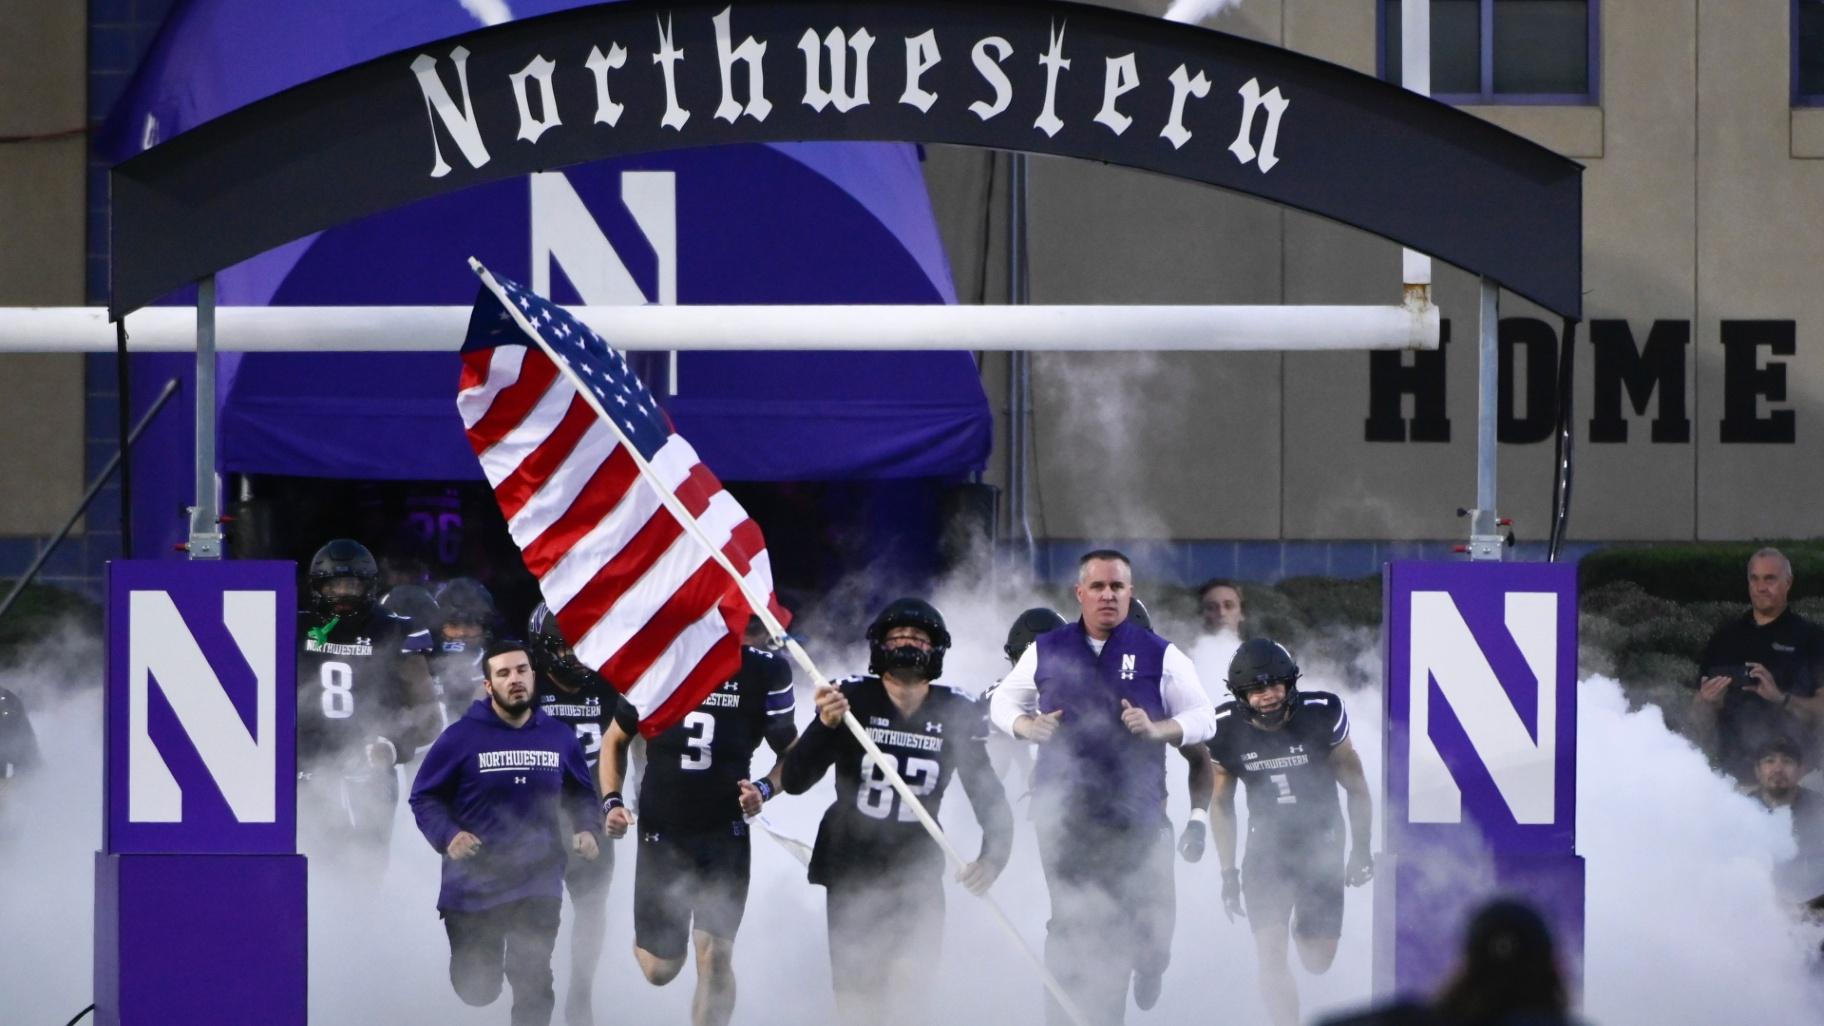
<point x="1682" y="923"/>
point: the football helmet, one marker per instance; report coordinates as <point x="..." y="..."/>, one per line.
<point x="1258" y="663"/>
<point x="552" y="656"/>
<point x="908" y="612"/>
<point x="1027" y="627"/>
<point x="344" y="578"/>
<point x="414" y="602"/>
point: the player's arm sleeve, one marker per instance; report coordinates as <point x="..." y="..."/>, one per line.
<point x="1339" y="731"/>
<point x="433" y="791"/>
<point x="1017" y="694"/>
<point x="809" y="757"/>
<point x="1184" y="699"/>
<point x="416" y="723"/>
<point x="989" y="799"/>
<point x="580" y="797"/>
<point x="780" y="727"/>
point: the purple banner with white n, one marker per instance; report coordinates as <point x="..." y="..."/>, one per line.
<point x="1481" y="765"/>
<point x="201" y="713"/>
<point x="199" y="868"/>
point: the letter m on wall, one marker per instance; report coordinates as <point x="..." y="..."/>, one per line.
<point x="1482" y="703"/>
<point x="201" y="713"/>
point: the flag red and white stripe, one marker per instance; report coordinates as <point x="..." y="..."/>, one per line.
<point x="638" y="596"/>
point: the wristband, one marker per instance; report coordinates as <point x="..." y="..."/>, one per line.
<point x="1200" y="816"/>
<point x="765" y="787"/>
<point x="612" y="801"/>
<point x="1231" y="874"/>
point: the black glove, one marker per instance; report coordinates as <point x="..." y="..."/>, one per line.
<point x="1190" y="843"/>
<point x="1231" y="894"/>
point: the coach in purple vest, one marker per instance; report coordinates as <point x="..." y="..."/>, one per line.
<point x="1102" y="698"/>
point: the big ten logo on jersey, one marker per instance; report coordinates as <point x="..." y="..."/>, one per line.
<point x="201" y="752"/>
<point x="1482" y="689"/>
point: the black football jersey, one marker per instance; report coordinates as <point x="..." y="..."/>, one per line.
<point x="868" y="828"/>
<point x="350" y="688"/>
<point x="693" y="769"/>
<point x="588" y="709"/>
<point x="1291" y="786"/>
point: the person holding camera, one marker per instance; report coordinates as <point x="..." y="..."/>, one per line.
<point x="1758" y="675"/>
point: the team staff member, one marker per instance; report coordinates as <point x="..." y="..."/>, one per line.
<point x="580" y="698"/>
<point x="489" y="797"/>
<point x="882" y="874"/>
<point x="1780" y="652"/>
<point x="365" y="705"/>
<point x="1103" y="698"/>
<point x="690" y="883"/>
<point x="1291" y="749"/>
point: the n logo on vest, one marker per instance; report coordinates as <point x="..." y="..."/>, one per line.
<point x="1127" y="667"/>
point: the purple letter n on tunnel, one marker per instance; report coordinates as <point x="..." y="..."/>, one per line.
<point x="199" y="892"/>
<point x="1481" y="766"/>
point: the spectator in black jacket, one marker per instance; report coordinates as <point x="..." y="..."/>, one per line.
<point x="1758" y="677"/>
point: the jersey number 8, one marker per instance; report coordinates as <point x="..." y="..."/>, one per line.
<point x="876" y="796"/>
<point x="338" y="691"/>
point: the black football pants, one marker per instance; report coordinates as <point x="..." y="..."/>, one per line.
<point x="1113" y="909"/>
<point x="513" y="939"/>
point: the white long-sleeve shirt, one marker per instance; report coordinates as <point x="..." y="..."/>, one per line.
<point x="1180" y="692"/>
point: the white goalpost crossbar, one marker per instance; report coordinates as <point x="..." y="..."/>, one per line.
<point x="929" y="327"/>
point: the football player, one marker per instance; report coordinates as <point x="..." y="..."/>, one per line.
<point x="1003" y="751"/>
<point x="572" y="693"/>
<point x="691" y="875"/>
<point x="465" y="625"/>
<point x="364" y="706"/>
<point x="882" y="874"/>
<point x="1291" y="750"/>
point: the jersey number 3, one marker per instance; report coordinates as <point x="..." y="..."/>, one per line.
<point x="701" y="730"/>
<point x="876" y="796"/>
<point x="338" y="691"/>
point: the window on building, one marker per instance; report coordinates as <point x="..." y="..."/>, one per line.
<point x="1808" y="53"/>
<point x="1506" y="51"/>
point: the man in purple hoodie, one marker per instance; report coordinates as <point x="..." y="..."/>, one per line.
<point x="488" y="797"/>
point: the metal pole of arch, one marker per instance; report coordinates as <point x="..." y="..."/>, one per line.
<point x="1019" y="413"/>
<point x="205" y="519"/>
<point x="1485" y="541"/>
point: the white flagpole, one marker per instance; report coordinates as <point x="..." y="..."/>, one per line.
<point x="757" y="603"/>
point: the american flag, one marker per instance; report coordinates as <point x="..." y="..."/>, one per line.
<point x="639" y="598"/>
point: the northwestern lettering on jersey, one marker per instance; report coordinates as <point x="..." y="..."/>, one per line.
<point x="516" y="760"/>
<point x="1283" y="762"/>
<point x="1246" y="132"/>
<point x="906" y="739"/>
<point x="360" y="647"/>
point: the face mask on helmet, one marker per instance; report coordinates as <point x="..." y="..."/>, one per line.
<point x="344" y="579"/>
<point x="342" y="596"/>
<point x="1260" y="663"/>
<point x="891" y="647"/>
